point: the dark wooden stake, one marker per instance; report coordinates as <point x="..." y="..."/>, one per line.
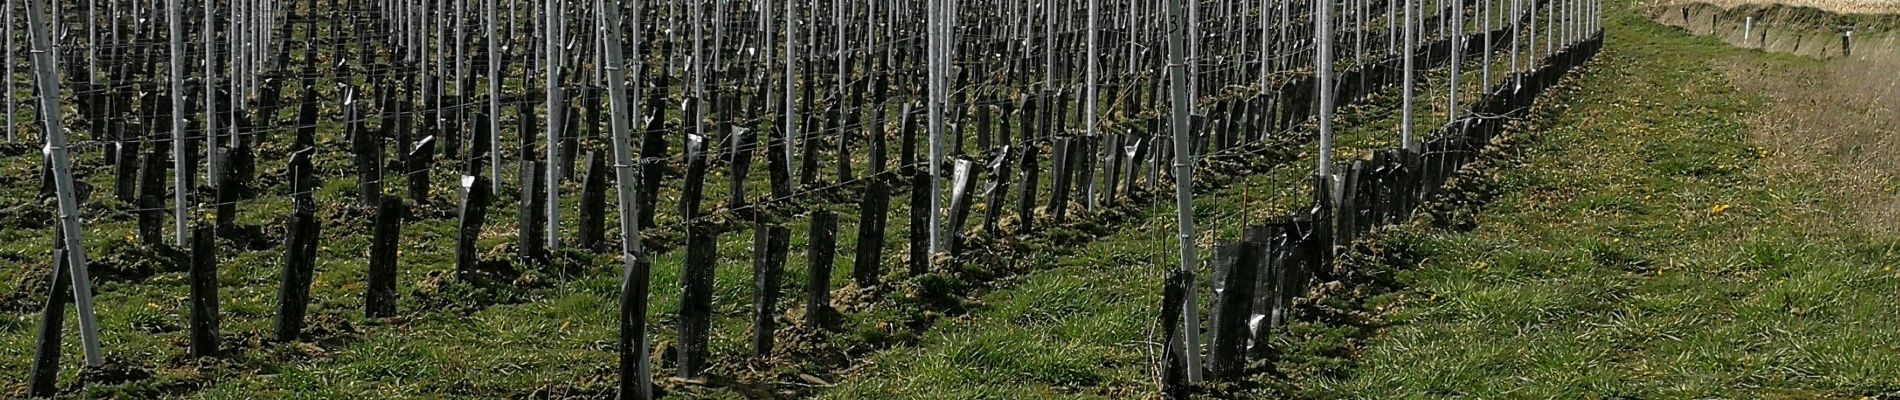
<point x="570" y="145"/>
<point x="52" y="324"/>
<point x="1026" y="204"/>
<point x="820" y="252"/>
<point x="530" y="243"/>
<point x="1115" y="156"/>
<point x="475" y="197"/>
<point x="778" y="164"/>
<point x="633" y="325"/>
<point x="1267" y="282"/>
<point x="593" y="224"/>
<point x="770" y="243"/>
<point x="151" y="194"/>
<point x="1062" y="163"/>
<point x="919" y="234"/>
<point x="983" y="123"/>
<point x="421" y="160"/>
<point x="381" y="299"/>
<point x="694" y="192"/>
<point x="880" y="153"/>
<point x="1026" y="201"/>
<point x="125" y="182"/>
<point x="306" y="117"/>
<point x="366" y="149"/>
<point x="293" y="295"/>
<point x="227" y="196"/>
<point x="696" y="281"/>
<point x="1173" y="367"/>
<point x="1137" y="152"/>
<point x="479" y="146"/>
<point x="907" y="151"/>
<point x="204" y="291"/>
<point x="1233" y="308"/>
<point x="868" y="264"/>
<point x="652" y="167"/>
<point x="740" y="164"/>
<point x="997" y="190"/>
<point x="962" y="193"/>
<point x="808" y="153"/>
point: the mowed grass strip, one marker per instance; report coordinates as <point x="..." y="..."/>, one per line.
<point x="1645" y="247"/>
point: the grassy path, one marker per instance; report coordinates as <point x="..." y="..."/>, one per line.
<point x="1645" y="244"/>
<point x="1642" y="241"/>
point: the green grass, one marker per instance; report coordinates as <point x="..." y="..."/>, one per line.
<point x="1632" y="246"/>
<point x="1642" y="247"/>
<point x="485" y="342"/>
<point x="1085" y="325"/>
<point x="1600" y="267"/>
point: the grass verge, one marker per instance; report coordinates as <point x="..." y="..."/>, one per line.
<point x="1641" y="245"/>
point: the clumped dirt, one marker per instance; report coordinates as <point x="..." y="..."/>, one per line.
<point x="576" y="392"/>
<point x="137" y="263"/>
<point x="491" y="283"/>
<point x="114" y="371"/>
<point x="329" y="330"/>
<point x="27" y="215"/>
<point x="29" y="292"/>
<point x="15" y="149"/>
